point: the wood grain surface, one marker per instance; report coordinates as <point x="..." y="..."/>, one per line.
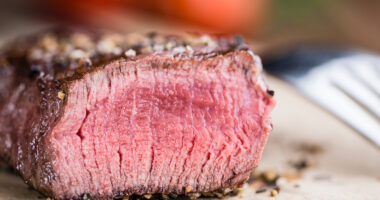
<point x="342" y="165"/>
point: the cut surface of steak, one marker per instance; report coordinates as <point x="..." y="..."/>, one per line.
<point x="109" y="115"/>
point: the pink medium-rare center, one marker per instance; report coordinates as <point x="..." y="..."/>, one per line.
<point x="144" y="126"/>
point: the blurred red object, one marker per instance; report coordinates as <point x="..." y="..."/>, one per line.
<point x="219" y="15"/>
<point x="222" y="15"/>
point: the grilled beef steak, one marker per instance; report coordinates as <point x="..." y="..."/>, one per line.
<point x="108" y="115"/>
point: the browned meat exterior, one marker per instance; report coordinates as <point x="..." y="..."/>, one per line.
<point x="108" y="115"/>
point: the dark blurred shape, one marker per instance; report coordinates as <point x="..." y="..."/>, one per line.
<point x="301" y="60"/>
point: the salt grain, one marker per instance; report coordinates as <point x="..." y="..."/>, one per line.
<point x="281" y="181"/>
<point x="35" y="54"/>
<point x="134" y="39"/>
<point x="130" y="53"/>
<point x="189" y="49"/>
<point x="117" y="51"/>
<point x="77" y="54"/>
<point x="170" y="45"/>
<point x="106" y="46"/>
<point x="158" y="47"/>
<point x="81" y="40"/>
<point x="207" y="40"/>
<point x="179" y="49"/>
<point x="49" y="43"/>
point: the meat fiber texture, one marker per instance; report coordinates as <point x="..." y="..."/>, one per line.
<point x="109" y="115"/>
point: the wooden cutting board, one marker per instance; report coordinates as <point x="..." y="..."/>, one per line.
<point x="338" y="163"/>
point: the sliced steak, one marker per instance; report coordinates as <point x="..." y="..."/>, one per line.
<point x="108" y="115"/>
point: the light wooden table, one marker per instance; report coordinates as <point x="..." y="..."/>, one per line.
<point x="345" y="167"/>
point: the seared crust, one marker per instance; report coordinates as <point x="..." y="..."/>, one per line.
<point x="44" y="66"/>
<point x="57" y="54"/>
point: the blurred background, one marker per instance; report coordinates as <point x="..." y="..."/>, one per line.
<point x="271" y="25"/>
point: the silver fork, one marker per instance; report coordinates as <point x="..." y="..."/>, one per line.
<point x="347" y="84"/>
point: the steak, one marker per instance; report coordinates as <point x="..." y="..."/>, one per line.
<point x="107" y="115"/>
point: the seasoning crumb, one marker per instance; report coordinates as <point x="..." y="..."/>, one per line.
<point x="194" y="195"/>
<point x="158" y="47"/>
<point x="147" y="196"/>
<point x="273" y="193"/>
<point x="106" y="46"/>
<point x="77" y="54"/>
<point x="261" y="190"/>
<point x="189" y="49"/>
<point x="35" y="54"/>
<point x="207" y="40"/>
<point x="291" y="177"/>
<point x="134" y="38"/>
<point x="270" y="92"/>
<point x="117" y="51"/>
<point x="257" y="184"/>
<point x="146" y="49"/>
<point x="281" y="181"/>
<point x="130" y="53"/>
<point x="49" y="43"/>
<point x="61" y="95"/>
<point x="227" y="190"/>
<point x="270" y="175"/>
<point x="188" y="189"/>
<point x="308" y="148"/>
<point x="48" y="198"/>
<point x="179" y="49"/>
<point x="219" y="195"/>
<point x="169" y="45"/>
<point x="81" y="40"/>
<point x="302" y="164"/>
<point x="207" y="194"/>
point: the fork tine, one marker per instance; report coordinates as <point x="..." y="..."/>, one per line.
<point x="342" y="93"/>
<point x="367" y="72"/>
<point x="318" y="86"/>
<point x="355" y="89"/>
<point x="370" y="81"/>
<point x="339" y="104"/>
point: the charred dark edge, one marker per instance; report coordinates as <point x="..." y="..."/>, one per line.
<point x="17" y="49"/>
<point x="160" y="195"/>
<point x="50" y="89"/>
<point x="79" y="75"/>
<point x="270" y="92"/>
